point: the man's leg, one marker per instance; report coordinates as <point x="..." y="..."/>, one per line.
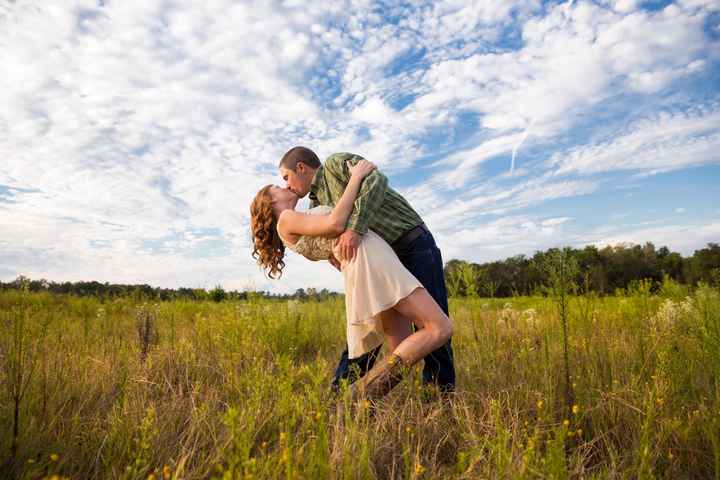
<point x="424" y="260"/>
<point x="352" y="369"/>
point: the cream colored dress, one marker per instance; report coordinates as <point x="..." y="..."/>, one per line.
<point x="375" y="281"/>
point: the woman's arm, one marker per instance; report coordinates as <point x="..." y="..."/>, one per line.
<point x="292" y="223"/>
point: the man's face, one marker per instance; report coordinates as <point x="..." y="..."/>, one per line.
<point x="297" y="181"/>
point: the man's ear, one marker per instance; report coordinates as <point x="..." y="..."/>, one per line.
<point x="300" y="168"/>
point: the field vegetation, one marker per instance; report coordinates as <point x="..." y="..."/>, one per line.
<point x="568" y="384"/>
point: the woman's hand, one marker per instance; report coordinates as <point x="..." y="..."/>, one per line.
<point x="361" y="169"/>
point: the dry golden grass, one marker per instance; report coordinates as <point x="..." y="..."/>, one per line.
<point x="241" y="390"/>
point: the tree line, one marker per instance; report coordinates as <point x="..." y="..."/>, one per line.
<point x="602" y="270"/>
<point x="146" y="292"/>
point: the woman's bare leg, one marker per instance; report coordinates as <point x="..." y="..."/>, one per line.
<point x="434" y="327"/>
<point x="395" y="327"/>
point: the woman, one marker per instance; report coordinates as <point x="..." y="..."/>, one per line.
<point x="383" y="299"/>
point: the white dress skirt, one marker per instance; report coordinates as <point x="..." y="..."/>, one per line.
<point x="375" y="280"/>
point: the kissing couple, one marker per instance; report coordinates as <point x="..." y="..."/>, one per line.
<point x="393" y="271"/>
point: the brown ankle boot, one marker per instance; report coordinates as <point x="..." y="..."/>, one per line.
<point x="382" y="378"/>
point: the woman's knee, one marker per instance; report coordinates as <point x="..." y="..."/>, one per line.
<point x="444" y="331"/>
<point x="449" y="331"/>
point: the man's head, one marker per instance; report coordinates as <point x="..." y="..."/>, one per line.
<point x="297" y="168"/>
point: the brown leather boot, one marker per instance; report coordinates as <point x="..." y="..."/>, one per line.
<point x="382" y="378"/>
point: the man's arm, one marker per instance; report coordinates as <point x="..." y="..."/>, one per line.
<point x="291" y="223"/>
<point x="372" y="190"/>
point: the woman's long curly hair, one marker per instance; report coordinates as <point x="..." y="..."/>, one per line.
<point x="268" y="249"/>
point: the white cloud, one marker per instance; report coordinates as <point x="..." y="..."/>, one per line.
<point x="502" y="238"/>
<point x="515" y="235"/>
<point x="551" y="222"/>
<point x="464" y="162"/>
<point x="149" y="118"/>
<point x="625" y="6"/>
<point x="134" y="135"/>
<point x="474" y="205"/>
<point x="667" y="141"/>
<point x="574" y="58"/>
<point x="683" y="238"/>
<point x="680" y="210"/>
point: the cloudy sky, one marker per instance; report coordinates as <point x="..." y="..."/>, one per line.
<point x="134" y="134"/>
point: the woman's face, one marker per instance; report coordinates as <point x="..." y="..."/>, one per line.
<point x="283" y="196"/>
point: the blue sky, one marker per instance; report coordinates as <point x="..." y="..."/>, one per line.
<point x="133" y="135"/>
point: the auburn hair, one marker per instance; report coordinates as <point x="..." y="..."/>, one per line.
<point x="268" y="249"/>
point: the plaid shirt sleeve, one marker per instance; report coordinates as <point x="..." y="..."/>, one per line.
<point x="370" y="197"/>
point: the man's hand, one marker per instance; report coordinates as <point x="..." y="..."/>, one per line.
<point x="334" y="262"/>
<point x="348" y="243"/>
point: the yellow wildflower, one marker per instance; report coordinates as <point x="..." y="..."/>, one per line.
<point x="540" y="404"/>
<point x="575" y="409"/>
<point x="152" y="477"/>
<point x="54" y="457"/>
<point x="31" y="460"/>
<point x="670" y="455"/>
<point x="167" y="473"/>
<point x="579" y="432"/>
<point x="566" y="422"/>
<point x="419" y="468"/>
<point x="282" y="436"/>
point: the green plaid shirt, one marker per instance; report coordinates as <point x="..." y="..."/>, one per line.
<point x="377" y="206"/>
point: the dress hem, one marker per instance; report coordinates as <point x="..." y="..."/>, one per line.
<point x="388" y="306"/>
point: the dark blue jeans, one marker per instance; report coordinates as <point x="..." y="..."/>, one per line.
<point x="423" y="259"/>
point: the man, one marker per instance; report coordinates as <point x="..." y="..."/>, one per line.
<point x="388" y="214"/>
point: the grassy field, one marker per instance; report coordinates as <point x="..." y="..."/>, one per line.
<point x="124" y="389"/>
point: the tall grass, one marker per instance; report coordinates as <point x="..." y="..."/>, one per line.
<point x="561" y="269"/>
<point x="241" y="390"/>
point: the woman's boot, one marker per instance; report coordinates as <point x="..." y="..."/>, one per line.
<point x="382" y="378"/>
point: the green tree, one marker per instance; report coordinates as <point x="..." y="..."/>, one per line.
<point x="468" y="272"/>
<point x="217" y="294"/>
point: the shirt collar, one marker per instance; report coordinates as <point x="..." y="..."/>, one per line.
<point x="315" y="184"/>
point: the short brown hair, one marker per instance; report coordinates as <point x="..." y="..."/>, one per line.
<point x="299" y="154"/>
